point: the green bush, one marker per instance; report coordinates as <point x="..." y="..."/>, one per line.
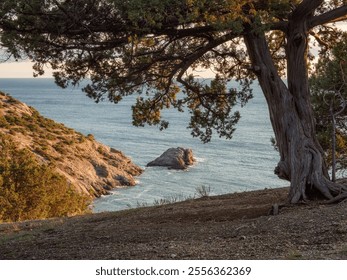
<point x="30" y="190"/>
<point x="60" y="148"/>
<point x="4" y="123"/>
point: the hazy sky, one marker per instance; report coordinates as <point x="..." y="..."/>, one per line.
<point x="18" y="70"/>
<point x="24" y="70"/>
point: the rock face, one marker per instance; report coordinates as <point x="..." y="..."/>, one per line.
<point x="91" y="167"/>
<point x="174" y="158"/>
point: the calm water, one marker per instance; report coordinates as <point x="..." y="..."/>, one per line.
<point x="244" y="163"/>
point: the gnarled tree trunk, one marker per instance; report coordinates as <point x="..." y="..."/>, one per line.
<point x="291" y="115"/>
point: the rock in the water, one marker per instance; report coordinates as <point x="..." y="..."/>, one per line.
<point x="174" y="158"/>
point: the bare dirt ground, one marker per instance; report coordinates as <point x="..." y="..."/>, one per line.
<point x="235" y="226"/>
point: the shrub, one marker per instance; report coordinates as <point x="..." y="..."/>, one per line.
<point x="29" y="190"/>
<point x="91" y="137"/>
<point x="203" y="191"/>
<point x="12" y="100"/>
<point x="4" y="123"/>
<point x="13" y="120"/>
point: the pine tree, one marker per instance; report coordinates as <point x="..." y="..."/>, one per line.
<point x="152" y="47"/>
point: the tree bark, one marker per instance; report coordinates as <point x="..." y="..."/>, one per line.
<point x="301" y="160"/>
<point x="333" y="143"/>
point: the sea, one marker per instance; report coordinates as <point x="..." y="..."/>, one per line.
<point x="244" y="163"/>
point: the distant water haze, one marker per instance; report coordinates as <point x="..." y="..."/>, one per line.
<point x="224" y="166"/>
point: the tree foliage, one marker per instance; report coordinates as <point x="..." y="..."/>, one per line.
<point x="146" y="47"/>
<point x="30" y="190"/>
<point x="329" y="95"/>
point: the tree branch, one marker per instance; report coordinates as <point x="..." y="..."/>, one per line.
<point x="305" y="8"/>
<point x="338" y="14"/>
<point x="319" y="39"/>
<point x="281" y="26"/>
<point x="190" y="59"/>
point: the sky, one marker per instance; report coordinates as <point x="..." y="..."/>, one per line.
<point x="19" y="70"/>
<point x="24" y="70"/>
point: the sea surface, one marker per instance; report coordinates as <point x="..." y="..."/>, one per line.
<point x="223" y="166"/>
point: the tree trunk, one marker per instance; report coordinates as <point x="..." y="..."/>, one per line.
<point x="333" y="143"/>
<point x="301" y="160"/>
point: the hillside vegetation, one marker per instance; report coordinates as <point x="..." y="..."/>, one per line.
<point x="30" y="190"/>
<point x="47" y="169"/>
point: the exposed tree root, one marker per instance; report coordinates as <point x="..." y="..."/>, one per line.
<point x="339" y="191"/>
<point x="330" y="191"/>
<point x="338" y="198"/>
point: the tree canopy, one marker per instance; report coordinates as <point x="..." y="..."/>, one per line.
<point x="152" y="48"/>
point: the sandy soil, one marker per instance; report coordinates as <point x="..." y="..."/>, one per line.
<point x="235" y="226"/>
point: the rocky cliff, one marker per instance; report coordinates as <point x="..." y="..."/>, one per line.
<point x="90" y="166"/>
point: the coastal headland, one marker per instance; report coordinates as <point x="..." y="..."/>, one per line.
<point x="91" y="167"/>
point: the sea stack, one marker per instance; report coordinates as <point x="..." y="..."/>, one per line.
<point x="174" y="158"/>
